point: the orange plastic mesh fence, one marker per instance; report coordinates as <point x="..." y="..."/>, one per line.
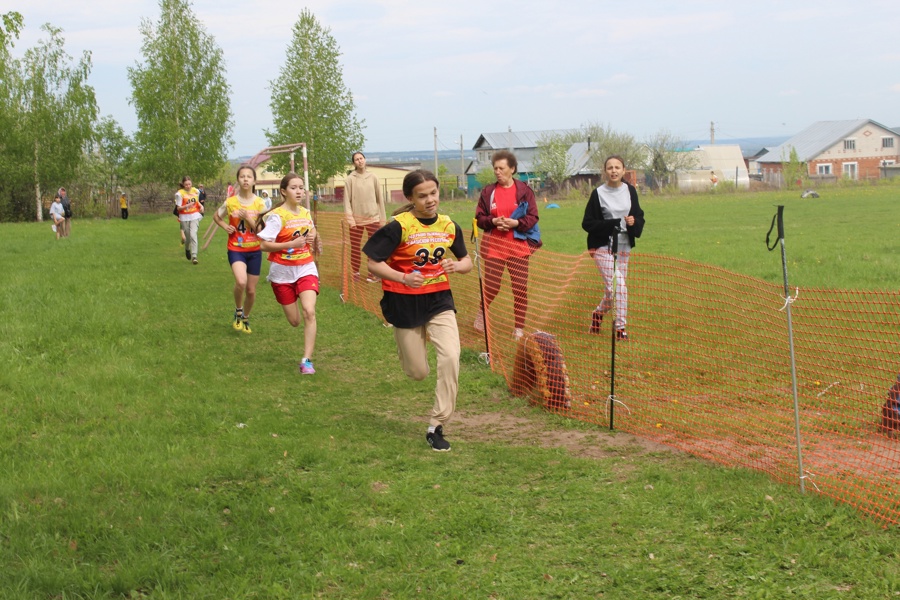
<point x="706" y="368"/>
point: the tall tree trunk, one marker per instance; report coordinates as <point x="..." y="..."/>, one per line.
<point x="37" y="186"/>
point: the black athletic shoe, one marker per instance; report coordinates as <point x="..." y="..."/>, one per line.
<point x="621" y="335"/>
<point x="187" y="252"/>
<point x="596" y="321"/>
<point x="436" y="440"/>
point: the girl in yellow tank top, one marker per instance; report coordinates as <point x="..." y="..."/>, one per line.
<point x="242" y="211"/>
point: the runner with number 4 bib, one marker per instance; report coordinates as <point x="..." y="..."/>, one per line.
<point x="242" y="212"/>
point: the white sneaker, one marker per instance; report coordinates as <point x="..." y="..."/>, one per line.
<point x="518" y="333"/>
<point x="53" y="227"/>
<point x="479" y="322"/>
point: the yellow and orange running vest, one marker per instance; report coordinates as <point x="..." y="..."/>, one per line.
<point x="422" y="248"/>
<point x="191" y="200"/>
<point x="292" y="225"/>
<point x="244" y="238"/>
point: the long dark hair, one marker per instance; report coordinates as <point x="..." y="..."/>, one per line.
<point x="412" y="179"/>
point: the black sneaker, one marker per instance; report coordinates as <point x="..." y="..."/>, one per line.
<point x="596" y="321"/>
<point x="187" y="252"/>
<point x="621" y="335"/>
<point x="436" y="440"/>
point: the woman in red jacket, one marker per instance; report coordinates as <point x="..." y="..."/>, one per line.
<point x="502" y="248"/>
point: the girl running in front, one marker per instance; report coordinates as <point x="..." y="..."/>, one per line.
<point x="411" y="255"/>
<point x="288" y="236"/>
<point x="242" y="211"/>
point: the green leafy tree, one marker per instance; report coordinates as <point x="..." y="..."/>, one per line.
<point x="793" y="169"/>
<point x="56" y="110"/>
<point x="110" y="158"/>
<point x="485" y="177"/>
<point x="14" y="181"/>
<point x="181" y="98"/>
<point x="663" y="156"/>
<point x="552" y="160"/>
<point x="311" y="104"/>
<point x="605" y="141"/>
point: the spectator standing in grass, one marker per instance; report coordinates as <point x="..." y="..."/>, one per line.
<point x="244" y="254"/>
<point x="123" y="205"/>
<point x="190" y="211"/>
<point x="363" y="209"/>
<point x="411" y="256"/>
<point x="507" y="212"/>
<point x="58" y="215"/>
<point x="67" y="211"/>
<point x="201" y="194"/>
<point x="288" y="236"/>
<point x="613" y="210"/>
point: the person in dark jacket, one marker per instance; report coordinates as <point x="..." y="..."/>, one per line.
<point x="613" y="210"/>
<point x="501" y="248"/>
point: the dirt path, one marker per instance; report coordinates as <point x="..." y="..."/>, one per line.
<point x="526" y="430"/>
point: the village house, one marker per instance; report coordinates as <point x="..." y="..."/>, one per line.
<point x="855" y="149"/>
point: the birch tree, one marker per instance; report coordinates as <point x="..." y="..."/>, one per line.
<point x="55" y="111"/>
<point x="311" y="103"/>
<point x="181" y="97"/>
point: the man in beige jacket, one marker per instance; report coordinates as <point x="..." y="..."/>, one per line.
<point x="363" y="209"/>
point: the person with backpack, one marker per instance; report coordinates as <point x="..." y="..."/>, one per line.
<point x="58" y="215"/>
<point x="67" y="211"/>
<point x="190" y="211"/>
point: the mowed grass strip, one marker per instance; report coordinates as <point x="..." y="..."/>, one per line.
<point x="150" y="451"/>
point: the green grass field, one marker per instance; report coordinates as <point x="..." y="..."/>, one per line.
<point x="150" y="451"/>
<point x="846" y="239"/>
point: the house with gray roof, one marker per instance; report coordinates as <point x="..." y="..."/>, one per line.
<point x="524" y="144"/>
<point x="856" y="149"/>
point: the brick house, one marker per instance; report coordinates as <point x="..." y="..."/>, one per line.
<point x="855" y="149"/>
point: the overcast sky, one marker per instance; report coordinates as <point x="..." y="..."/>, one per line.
<point x="764" y="68"/>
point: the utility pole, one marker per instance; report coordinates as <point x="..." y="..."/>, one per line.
<point x="712" y="133"/>
<point x="462" y="161"/>
<point x="435" y="152"/>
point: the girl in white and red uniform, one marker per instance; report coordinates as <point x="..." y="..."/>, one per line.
<point x="288" y="236"/>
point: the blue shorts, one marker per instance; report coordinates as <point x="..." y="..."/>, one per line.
<point x="253" y="260"/>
